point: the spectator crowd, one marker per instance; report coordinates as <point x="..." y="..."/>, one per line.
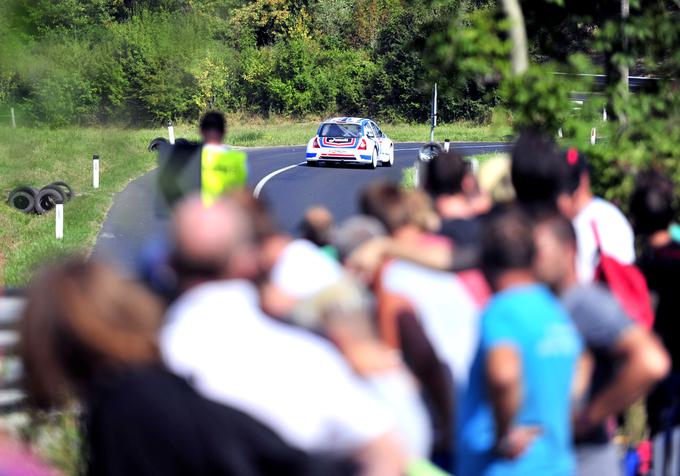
<point x="492" y="323"/>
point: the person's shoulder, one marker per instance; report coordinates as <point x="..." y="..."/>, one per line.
<point x="602" y="209"/>
<point x="593" y="306"/>
<point x="143" y="394"/>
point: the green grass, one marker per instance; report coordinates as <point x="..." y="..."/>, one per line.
<point x="37" y="157"/>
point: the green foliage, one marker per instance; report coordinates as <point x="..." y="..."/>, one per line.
<point x="142" y="62"/>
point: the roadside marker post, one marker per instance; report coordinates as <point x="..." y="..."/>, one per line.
<point x="14" y="120"/>
<point x="559" y="133"/>
<point x="171" y="133"/>
<point x="447" y="144"/>
<point x="593" y="136"/>
<point x="95" y="171"/>
<point x="433" y="111"/>
<point x="59" y="217"/>
<point x="604" y="114"/>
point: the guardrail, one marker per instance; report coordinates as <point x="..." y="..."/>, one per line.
<point x="12" y="303"/>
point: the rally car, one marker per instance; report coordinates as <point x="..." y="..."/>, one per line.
<point x="350" y="140"/>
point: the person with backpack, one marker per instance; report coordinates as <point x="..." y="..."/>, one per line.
<point x="629" y="360"/>
<point x="600" y="225"/>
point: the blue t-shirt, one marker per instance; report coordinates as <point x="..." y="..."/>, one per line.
<point x="532" y="320"/>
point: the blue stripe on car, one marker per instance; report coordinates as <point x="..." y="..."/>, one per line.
<point x="311" y="154"/>
<point x="366" y="157"/>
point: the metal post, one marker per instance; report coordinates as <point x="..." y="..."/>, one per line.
<point x="95" y="171"/>
<point x="171" y="133"/>
<point x="14" y="120"/>
<point x="59" y="217"/>
<point x="433" y="113"/>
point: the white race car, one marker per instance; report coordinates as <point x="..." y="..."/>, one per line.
<point x="350" y="140"/>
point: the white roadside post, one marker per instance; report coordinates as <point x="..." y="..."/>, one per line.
<point x="59" y="217"/>
<point x="604" y="114"/>
<point x="171" y="133"/>
<point x="593" y="136"/>
<point x="14" y="120"/>
<point x="447" y="145"/>
<point x="95" y="171"/>
<point x="559" y="133"/>
<point x="433" y="123"/>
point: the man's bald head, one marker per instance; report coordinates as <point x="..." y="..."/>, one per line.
<point x="208" y="238"/>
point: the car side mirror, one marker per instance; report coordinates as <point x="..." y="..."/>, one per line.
<point x="370" y="135"/>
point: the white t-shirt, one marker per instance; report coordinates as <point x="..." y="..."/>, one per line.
<point x="616" y="237"/>
<point x="303" y="270"/>
<point x="400" y="393"/>
<point x="446" y="309"/>
<point x="291" y="380"/>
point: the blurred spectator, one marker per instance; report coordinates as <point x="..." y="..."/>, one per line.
<point x="451" y="184"/>
<point x="290" y="269"/>
<point x="628" y="359"/>
<point x="401" y="330"/>
<point x="343" y="313"/>
<point x="317" y="226"/>
<point x="213" y="127"/>
<point x="18" y="460"/>
<point x="538" y="171"/>
<point x="590" y="215"/>
<point x="515" y="418"/>
<point x="495" y="179"/>
<point x="653" y="209"/>
<point x="433" y="294"/>
<point x="87" y="333"/>
<point x="217" y="336"/>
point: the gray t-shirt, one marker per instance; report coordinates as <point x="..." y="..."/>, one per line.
<point x="601" y="321"/>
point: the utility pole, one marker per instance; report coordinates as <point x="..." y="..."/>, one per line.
<point x="518" y="35"/>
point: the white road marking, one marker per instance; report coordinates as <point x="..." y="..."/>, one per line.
<point x="261" y="183"/>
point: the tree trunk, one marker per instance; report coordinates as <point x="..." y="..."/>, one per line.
<point x="518" y="35"/>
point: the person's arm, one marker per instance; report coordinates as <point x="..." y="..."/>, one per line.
<point x="582" y="377"/>
<point x="368" y="258"/>
<point x="504" y="381"/>
<point x="645" y="362"/>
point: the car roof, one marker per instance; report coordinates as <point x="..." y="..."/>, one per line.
<point x="347" y="120"/>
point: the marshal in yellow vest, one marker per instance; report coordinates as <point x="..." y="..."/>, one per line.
<point x="222" y="170"/>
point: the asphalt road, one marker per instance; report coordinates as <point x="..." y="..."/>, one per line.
<point x="285" y="183"/>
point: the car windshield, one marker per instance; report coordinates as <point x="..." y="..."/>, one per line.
<point x="340" y="130"/>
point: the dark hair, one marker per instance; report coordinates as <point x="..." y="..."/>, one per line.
<point x="507" y="242"/>
<point x="560" y="226"/>
<point x="538" y="170"/>
<point x="386" y="202"/>
<point x="577" y="165"/>
<point x="80" y="319"/>
<point x="653" y="203"/>
<point x="213" y="121"/>
<point x="444" y="174"/>
<point x="316" y="226"/>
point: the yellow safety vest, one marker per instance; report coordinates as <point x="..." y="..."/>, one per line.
<point x="222" y="170"/>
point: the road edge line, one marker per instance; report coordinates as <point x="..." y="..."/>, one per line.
<point x="263" y="181"/>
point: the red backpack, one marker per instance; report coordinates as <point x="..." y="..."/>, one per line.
<point x="627" y="283"/>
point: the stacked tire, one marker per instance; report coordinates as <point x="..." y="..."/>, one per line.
<point x="30" y="199"/>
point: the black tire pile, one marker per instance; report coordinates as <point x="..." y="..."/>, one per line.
<point x="32" y="200"/>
